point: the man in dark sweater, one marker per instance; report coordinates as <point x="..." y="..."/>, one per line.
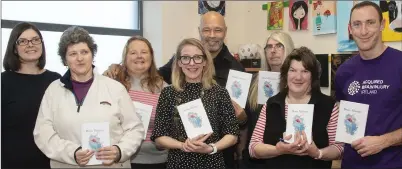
<point x="212" y="31"/>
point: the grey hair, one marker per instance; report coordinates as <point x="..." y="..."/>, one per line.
<point x="74" y="35"/>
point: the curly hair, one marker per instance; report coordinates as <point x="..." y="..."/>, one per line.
<point x="310" y="63"/>
<point x="74" y="35"/>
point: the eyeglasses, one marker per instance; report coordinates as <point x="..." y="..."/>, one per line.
<point x="198" y="59"/>
<point x="368" y="24"/>
<point x="24" y="42"/>
<point x="276" y="46"/>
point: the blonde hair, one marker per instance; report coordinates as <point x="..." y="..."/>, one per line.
<point x="152" y="81"/>
<point x="208" y="72"/>
<point x="288" y="45"/>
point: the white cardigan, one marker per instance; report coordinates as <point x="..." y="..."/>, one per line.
<point x="57" y="131"/>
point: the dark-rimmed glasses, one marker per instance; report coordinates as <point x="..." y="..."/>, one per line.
<point x="24" y="42"/>
<point x="185" y="60"/>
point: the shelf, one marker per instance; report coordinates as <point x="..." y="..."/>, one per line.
<point x="252" y="69"/>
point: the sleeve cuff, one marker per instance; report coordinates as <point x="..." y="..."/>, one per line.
<point x="75" y="157"/>
<point x="119" y="157"/>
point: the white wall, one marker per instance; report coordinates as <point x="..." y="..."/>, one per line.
<point x="246" y="22"/>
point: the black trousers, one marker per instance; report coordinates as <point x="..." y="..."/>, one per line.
<point x="148" y="166"/>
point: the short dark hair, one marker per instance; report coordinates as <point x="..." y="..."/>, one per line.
<point x="310" y="63"/>
<point x="74" y="35"/>
<point x="12" y="60"/>
<point x="364" y="4"/>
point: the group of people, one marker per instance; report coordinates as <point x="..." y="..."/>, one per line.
<point x="42" y="111"/>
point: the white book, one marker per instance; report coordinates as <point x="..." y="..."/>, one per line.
<point x="238" y="85"/>
<point x="299" y="118"/>
<point x="268" y="85"/>
<point x="351" y="121"/>
<point x="194" y="118"/>
<point x="93" y="137"/>
<point x="144" y="111"/>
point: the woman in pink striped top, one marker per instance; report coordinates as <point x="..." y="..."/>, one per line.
<point x="299" y="84"/>
<point x="139" y="75"/>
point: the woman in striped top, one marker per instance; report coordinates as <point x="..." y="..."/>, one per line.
<point x="299" y="84"/>
<point x="139" y="75"/>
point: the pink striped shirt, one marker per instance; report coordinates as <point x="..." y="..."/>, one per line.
<point x="149" y="99"/>
<point x="258" y="133"/>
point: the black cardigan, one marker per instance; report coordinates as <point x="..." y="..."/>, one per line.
<point x="276" y="126"/>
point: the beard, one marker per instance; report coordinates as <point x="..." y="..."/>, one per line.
<point x="212" y="44"/>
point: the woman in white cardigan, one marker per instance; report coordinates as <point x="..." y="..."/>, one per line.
<point x="82" y="96"/>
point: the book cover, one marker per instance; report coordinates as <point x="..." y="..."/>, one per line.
<point x="351" y="121"/>
<point x="238" y="85"/>
<point x="268" y="85"/>
<point x="300" y="118"/>
<point x="144" y="112"/>
<point x="93" y="137"/>
<point x="194" y="118"/>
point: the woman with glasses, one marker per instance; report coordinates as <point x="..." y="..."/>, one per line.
<point x="278" y="46"/>
<point x="192" y="79"/>
<point x="24" y="82"/>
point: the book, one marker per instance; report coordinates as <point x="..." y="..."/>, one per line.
<point x="93" y="137"/>
<point x="268" y="85"/>
<point x="352" y="121"/>
<point x="238" y="85"/>
<point x="194" y="118"/>
<point x="299" y="118"/>
<point x="144" y="112"/>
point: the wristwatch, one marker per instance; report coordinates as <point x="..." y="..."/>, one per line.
<point x="214" y="149"/>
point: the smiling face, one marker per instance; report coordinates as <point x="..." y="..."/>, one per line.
<point x="366" y="28"/>
<point x="29" y="46"/>
<point x="79" y="59"/>
<point x="212" y="31"/>
<point x="192" y="62"/>
<point x="299" y="78"/>
<point x="138" y="58"/>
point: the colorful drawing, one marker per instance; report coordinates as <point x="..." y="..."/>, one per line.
<point x="195" y="119"/>
<point x="350" y="124"/>
<point x="205" y="6"/>
<point x="275" y="15"/>
<point x="392" y="13"/>
<point x="344" y="38"/>
<point x="269" y="92"/>
<point x="298" y="123"/>
<point x="324" y="17"/>
<point x="236" y="89"/>
<point x="94" y="142"/>
<point x="298" y="15"/>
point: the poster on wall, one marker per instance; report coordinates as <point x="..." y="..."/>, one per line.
<point x="324" y="17"/>
<point x="298" y="15"/>
<point x="336" y="61"/>
<point x="275" y="15"/>
<point x="392" y="13"/>
<point x="205" y="6"/>
<point x="344" y="38"/>
<point x="324" y="61"/>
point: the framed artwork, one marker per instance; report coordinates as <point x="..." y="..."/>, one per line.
<point x="275" y="15"/>
<point x="324" y="17"/>
<point x="392" y="13"/>
<point x="298" y="15"/>
<point x="324" y="61"/>
<point x="205" y="6"/>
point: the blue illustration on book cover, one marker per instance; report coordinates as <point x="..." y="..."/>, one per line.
<point x="298" y="123"/>
<point x="268" y="89"/>
<point x="350" y="124"/>
<point x="236" y="89"/>
<point x="94" y="142"/>
<point x="195" y="119"/>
